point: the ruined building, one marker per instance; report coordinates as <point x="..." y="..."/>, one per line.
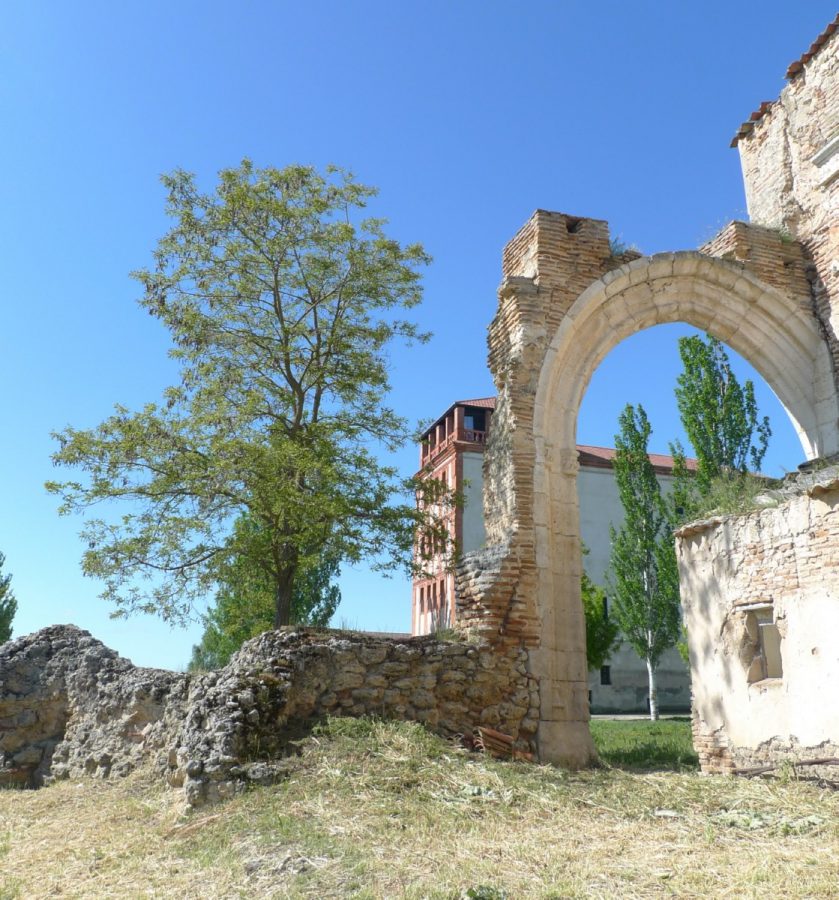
<point x="768" y="288"/>
<point x="451" y="450"/>
<point x="760" y="591"/>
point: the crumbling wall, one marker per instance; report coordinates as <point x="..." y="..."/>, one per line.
<point x="70" y="707"/>
<point x="789" y="152"/>
<point x="776" y="566"/>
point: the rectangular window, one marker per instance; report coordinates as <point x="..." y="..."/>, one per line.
<point x="770" y="647"/>
<point x="606" y="675"/>
<point x="763" y="634"/>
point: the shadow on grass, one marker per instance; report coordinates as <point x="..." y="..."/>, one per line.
<point x="644" y="746"/>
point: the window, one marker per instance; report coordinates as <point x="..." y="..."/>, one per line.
<point x="605" y="674"/>
<point x="474" y="420"/>
<point x="765" y="640"/>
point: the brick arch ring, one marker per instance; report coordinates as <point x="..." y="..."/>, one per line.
<point x="777" y="335"/>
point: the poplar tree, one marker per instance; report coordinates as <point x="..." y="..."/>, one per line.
<point x="719" y="415"/>
<point x="283" y="304"/>
<point x="645" y="580"/>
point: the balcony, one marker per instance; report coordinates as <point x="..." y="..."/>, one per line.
<point x="464" y="436"/>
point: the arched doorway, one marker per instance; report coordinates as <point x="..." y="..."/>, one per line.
<point x="564" y="304"/>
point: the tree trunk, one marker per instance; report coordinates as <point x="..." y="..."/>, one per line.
<point x="653" y="692"/>
<point x="282" y="596"/>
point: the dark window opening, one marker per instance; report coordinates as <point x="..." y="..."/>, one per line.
<point x="606" y="675"/>
<point x="474" y="420"/>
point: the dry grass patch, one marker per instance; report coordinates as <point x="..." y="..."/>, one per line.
<point x="386" y="810"/>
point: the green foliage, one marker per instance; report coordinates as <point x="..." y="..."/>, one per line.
<point x="719" y="415"/>
<point x="602" y="632"/>
<point x="244" y="604"/>
<point x="645" y="577"/>
<point x="8" y="604"/>
<point x="282" y="304"/>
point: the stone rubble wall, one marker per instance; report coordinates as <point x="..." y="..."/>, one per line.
<point x="782" y="557"/>
<point x="71" y="707"/>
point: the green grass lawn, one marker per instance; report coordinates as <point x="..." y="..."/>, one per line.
<point x="645" y="746"/>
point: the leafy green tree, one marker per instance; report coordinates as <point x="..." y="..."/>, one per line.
<point x="282" y="304"/>
<point x="244" y="603"/>
<point x="8" y="604"/>
<point x="644" y="573"/>
<point x="602" y="632"/>
<point x="719" y="415"/>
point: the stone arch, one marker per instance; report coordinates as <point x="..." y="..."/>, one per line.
<point x="566" y="300"/>
<point x="781" y="340"/>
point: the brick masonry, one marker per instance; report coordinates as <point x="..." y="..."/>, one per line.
<point x="781" y="559"/>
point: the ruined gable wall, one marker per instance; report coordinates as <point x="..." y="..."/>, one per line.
<point x="790" y="161"/>
<point x="783" y="557"/>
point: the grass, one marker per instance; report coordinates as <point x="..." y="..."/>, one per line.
<point x="376" y="809"/>
<point x="642" y="745"/>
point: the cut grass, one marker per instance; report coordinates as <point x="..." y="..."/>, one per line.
<point x="375" y="809"/>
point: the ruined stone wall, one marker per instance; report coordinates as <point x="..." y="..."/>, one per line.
<point x="70" y="707"/>
<point x="779" y="563"/>
<point x="789" y="152"/>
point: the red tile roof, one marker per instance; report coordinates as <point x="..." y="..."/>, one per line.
<point x="603" y="458"/>
<point x="794" y="69"/>
<point x="482" y="402"/>
<point x="797" y="66"/>
<point x="593" y="457"/>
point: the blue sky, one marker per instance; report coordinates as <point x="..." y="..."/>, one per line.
<point x="466" y="115"/>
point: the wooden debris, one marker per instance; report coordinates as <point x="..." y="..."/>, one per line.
<point x="499" y="745"/>
<point x="750" y="771"/>
<point x="187" y="828"/>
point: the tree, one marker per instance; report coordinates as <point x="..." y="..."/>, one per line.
<point x="719" y="415"/>
<point x="602" y="632"/>
<point x="282" y="305"/>
<point x="244" y="604"/>
<point x="644" y="573"/>
<point x="8" y="604"/>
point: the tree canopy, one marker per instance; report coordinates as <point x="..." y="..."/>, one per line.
<point x="244" y="604"/>
<point x="719" y="414"/>
<point x="8" y="604"/>
<point x="282" y="303"/>
<point x="602" y="632"/>
<point x="644" y="573"/>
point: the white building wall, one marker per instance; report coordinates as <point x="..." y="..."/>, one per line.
<point x="600" y="507"/>
<point x="474" y="533"/>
